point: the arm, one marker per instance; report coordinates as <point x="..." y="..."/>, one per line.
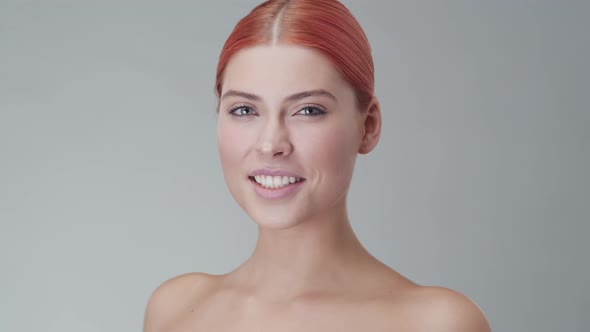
<point x="449" y="311"/>
<point x="168" y="301"/>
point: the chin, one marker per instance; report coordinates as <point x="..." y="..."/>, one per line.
<point x="274" y="225"/>
<point x="276" y="221"/>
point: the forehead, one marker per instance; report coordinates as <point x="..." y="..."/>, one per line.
<point x="281" y="69"/>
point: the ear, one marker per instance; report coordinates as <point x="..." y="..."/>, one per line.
<point x="371" y="127"/>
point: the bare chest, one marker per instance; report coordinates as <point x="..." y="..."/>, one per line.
<point x="338" y="318"/>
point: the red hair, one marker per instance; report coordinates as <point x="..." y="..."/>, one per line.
<point x="324" y="25"/>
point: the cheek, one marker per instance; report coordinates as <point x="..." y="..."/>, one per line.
<point x="232" y="144"/>
<point x="332" y="147"/>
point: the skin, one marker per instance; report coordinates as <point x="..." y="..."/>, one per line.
<point x="308" y="271"/>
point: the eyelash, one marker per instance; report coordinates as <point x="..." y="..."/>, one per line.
<point x="233" y="109"/>
<point x="319" y="110"/>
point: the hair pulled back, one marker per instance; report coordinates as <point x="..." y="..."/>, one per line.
<point x="326" y="26"/>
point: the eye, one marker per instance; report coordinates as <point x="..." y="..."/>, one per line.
<point x="310" y="110"/>
<point x="241" y="110"/>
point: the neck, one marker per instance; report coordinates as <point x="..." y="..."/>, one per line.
<point x="319" y="254"/>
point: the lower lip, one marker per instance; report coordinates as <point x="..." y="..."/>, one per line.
<point x="279" y="193"/>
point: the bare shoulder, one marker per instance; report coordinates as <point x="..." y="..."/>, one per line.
<point x="173" y="297"/>
<point x="440" y="309"/>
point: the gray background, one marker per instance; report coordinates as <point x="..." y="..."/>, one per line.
<point x="110" y="182"/>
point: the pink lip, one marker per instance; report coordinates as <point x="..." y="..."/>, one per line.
<point x="279" y="193"/>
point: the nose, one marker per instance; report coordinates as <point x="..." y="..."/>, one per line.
<point x="273" y="140"/>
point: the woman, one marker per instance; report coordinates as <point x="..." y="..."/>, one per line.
<point x="296" y="106"/>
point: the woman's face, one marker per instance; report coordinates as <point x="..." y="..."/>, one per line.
<point x="288" y="134"/>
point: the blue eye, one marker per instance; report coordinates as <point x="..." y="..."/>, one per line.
<point x="311" y="111"/>
<point x="241" y="110"/>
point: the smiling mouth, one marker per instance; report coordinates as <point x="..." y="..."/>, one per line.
<point x="275" y="182"/>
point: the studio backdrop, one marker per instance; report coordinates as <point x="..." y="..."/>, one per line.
<point x="110" y="181"/>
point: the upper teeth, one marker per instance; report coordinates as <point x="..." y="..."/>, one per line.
<point x="275" y="181"/>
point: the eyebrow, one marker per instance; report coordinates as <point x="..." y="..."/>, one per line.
<point x="293" y="97"/>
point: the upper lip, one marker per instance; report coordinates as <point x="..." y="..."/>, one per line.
<point x="274" y="172"/>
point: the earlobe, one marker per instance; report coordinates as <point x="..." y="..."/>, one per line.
<point x="371" y="127"/>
